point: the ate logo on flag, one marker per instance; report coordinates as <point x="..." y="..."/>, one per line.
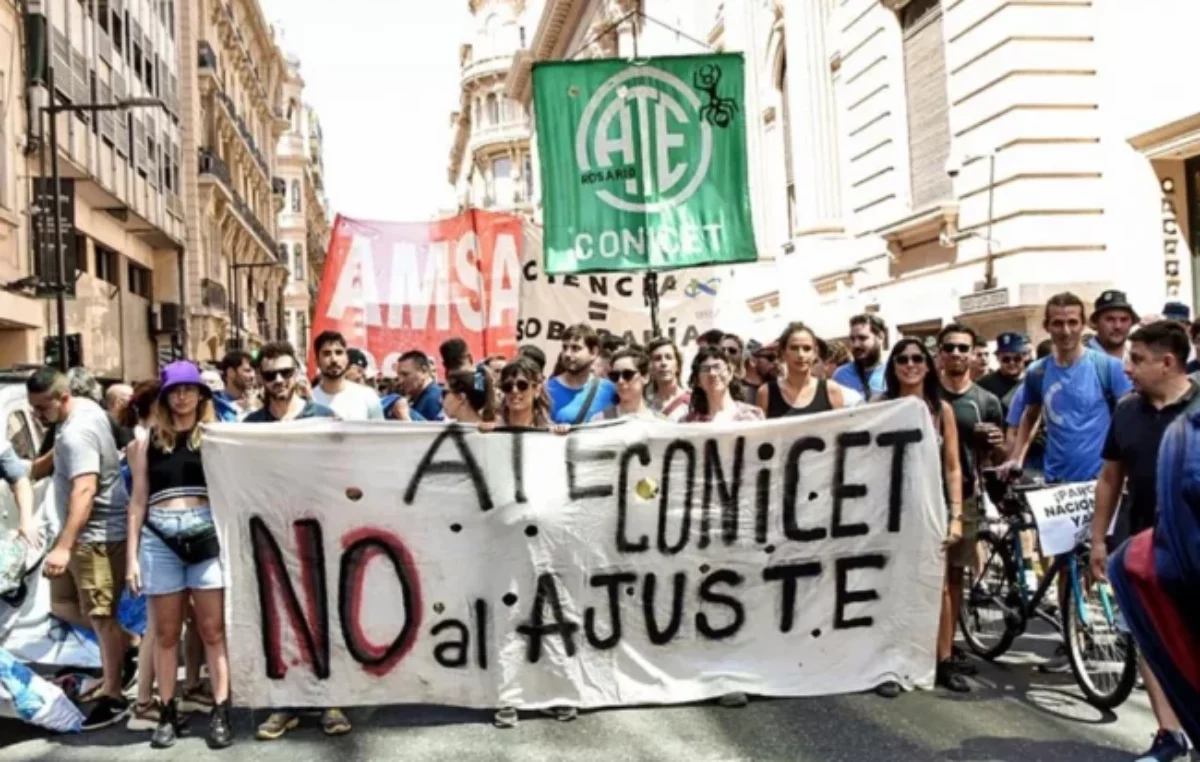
<point x="643" y="165"/>
<point x="394" y="287"/>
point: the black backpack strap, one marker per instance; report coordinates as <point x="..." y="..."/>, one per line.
<point x="589" y="396"/>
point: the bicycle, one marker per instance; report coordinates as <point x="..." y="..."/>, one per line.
<point x="1096" y="648"/>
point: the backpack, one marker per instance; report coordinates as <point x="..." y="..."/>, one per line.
<point x="1098" y="360"/>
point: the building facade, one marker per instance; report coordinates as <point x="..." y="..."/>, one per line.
<point x="491" y="161"/>
<point x="933" y="161"/>
<point x="119" y="210"/>
<point x="303" y="220"/>
<point x="233" y="77"/>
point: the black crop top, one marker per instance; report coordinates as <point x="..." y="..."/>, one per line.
<point x="178" y="473"/>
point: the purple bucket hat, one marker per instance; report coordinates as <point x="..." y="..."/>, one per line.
<point x="182" y="373"/>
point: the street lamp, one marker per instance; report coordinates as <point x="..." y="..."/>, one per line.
<point x="53" y="110"/>
<point x="954" y="165"/>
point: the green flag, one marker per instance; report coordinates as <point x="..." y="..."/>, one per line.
<point x="643" y="165"/>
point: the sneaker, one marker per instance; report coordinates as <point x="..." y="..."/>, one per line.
<point x="505" y="717"/>
<point x="335" y="723"/>
<point x="734" y="700"/>
<point x="145" y="716"/>
<point x="889" y="690"/>
<point x="220" y="733"/>
<point x="950" y="678"/>
<point x="1167" y="746"/>
<point x="107" y="711"/>
<point x="276" y="725"/>
<point x="1058" y="664"/>
<point x="561" y="713"/>
<point x="171" y="725"/>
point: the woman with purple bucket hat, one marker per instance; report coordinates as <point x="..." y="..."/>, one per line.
<point x="173" y="551"/>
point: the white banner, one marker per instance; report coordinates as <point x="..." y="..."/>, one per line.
<point x="622" y="564"/>
<point x="612" y="303"/>
<point x="1064" y="516"/>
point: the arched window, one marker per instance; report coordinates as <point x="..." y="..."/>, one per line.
<point x="493" y="109"/>
<point x="295" y="195"/>
<point x="478" y="112"/>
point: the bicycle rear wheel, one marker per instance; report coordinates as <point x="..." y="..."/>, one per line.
<point x="1103" y="659"/>
<point x="992" y="614"/>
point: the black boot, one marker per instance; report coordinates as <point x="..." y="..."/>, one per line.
<point x="220" y="733"/>
<point x="170" y="726"/>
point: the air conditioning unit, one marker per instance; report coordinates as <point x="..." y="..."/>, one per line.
<point x="164" y="317"/>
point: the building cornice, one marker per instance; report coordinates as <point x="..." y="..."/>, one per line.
<point x="549" y="42"/>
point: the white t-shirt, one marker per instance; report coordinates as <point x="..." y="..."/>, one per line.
<point x="354" y="402"/>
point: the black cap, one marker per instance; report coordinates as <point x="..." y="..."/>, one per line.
<point x="1112" y="300"/>
<point x="357" y="357"/>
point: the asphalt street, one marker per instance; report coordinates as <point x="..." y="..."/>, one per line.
<point x="1016" y="714"/>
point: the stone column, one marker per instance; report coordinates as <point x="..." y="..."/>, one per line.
<point x="741" y="21"/>
<point x="813" y="117"/>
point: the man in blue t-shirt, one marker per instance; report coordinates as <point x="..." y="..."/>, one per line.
<point x="864" y="374"/>
<point x="1074" y="390"/>
<point x="414" y="374"/>
<point x="576" y="394"/>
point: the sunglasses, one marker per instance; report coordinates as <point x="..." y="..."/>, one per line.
<point x="952" y="348"/>
<point x="731" y="351"/>
<point x="910" y="359"/>
<point x="1011" y="359"/>
<point x="271" y="375"/>
<point x="626" y="375"/>
<point x="520" y="385"/>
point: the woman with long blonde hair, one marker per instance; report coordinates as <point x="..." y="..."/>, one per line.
<point x="173" y="552"/>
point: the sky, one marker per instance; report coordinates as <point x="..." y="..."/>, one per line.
<point x="383" y="77"/>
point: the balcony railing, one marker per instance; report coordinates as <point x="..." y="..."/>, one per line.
<point x="245" y="131"/>
<point x="212" y="164"/>
<point x="212" y="294"/>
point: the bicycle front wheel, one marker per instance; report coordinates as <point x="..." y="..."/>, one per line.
<point x="1103" y="659"/>
<point x="991" y="615"/>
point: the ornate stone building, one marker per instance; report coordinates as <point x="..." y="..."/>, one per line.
<point x="233" y="119"/>
<point x="937" y="160"/>
<point x="120" y="203"/>
<point x="303" y="221"/>
<point x="491" y="161"/>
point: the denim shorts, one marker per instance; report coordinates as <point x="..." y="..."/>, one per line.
<point x="163" y="572"/>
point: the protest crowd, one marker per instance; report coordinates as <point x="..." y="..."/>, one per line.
<point x="1096" y="401"/>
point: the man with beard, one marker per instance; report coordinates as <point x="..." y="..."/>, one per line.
<point x="1010" y="352"/>
<point x="237" y="374"/>
<point x="350" y="401"/>
<point x="760" y="367"/>
<point x="980" y="420"/>
<point x="864" y="374"/>
<point x="1112" y="320"/>
<point x="576" y="394"/>
<point x="280" y="371"/>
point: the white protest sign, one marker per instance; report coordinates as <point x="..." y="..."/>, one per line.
<point x="622" y="564"/>
<point x="612" y="303"/>
<point x="1064" y="516"/>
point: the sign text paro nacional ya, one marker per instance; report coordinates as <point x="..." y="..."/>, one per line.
<point x="643" y="165"/>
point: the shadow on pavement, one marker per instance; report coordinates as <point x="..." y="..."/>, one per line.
<point x="1022" y="750"/>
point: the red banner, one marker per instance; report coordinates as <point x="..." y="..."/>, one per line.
<point x="391" y="287"/>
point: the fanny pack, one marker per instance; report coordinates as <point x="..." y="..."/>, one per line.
<point x="191" y="548"/>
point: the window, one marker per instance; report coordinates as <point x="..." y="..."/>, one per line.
<point x="502" y="180"/>
<point x="928" y="106"/>
<point x="107" y="262"/>
<point x="20" y="435"/>
<point x="295" y="195"/>
<point x="785" y="125"/>
<point x="298" y="266"/>
<point x="493" y="109"/>
<point x="527" y="176"/>
<point x="521" y="35"/>
<point x="478" y="112"/>
<point x="139" y="280"/>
